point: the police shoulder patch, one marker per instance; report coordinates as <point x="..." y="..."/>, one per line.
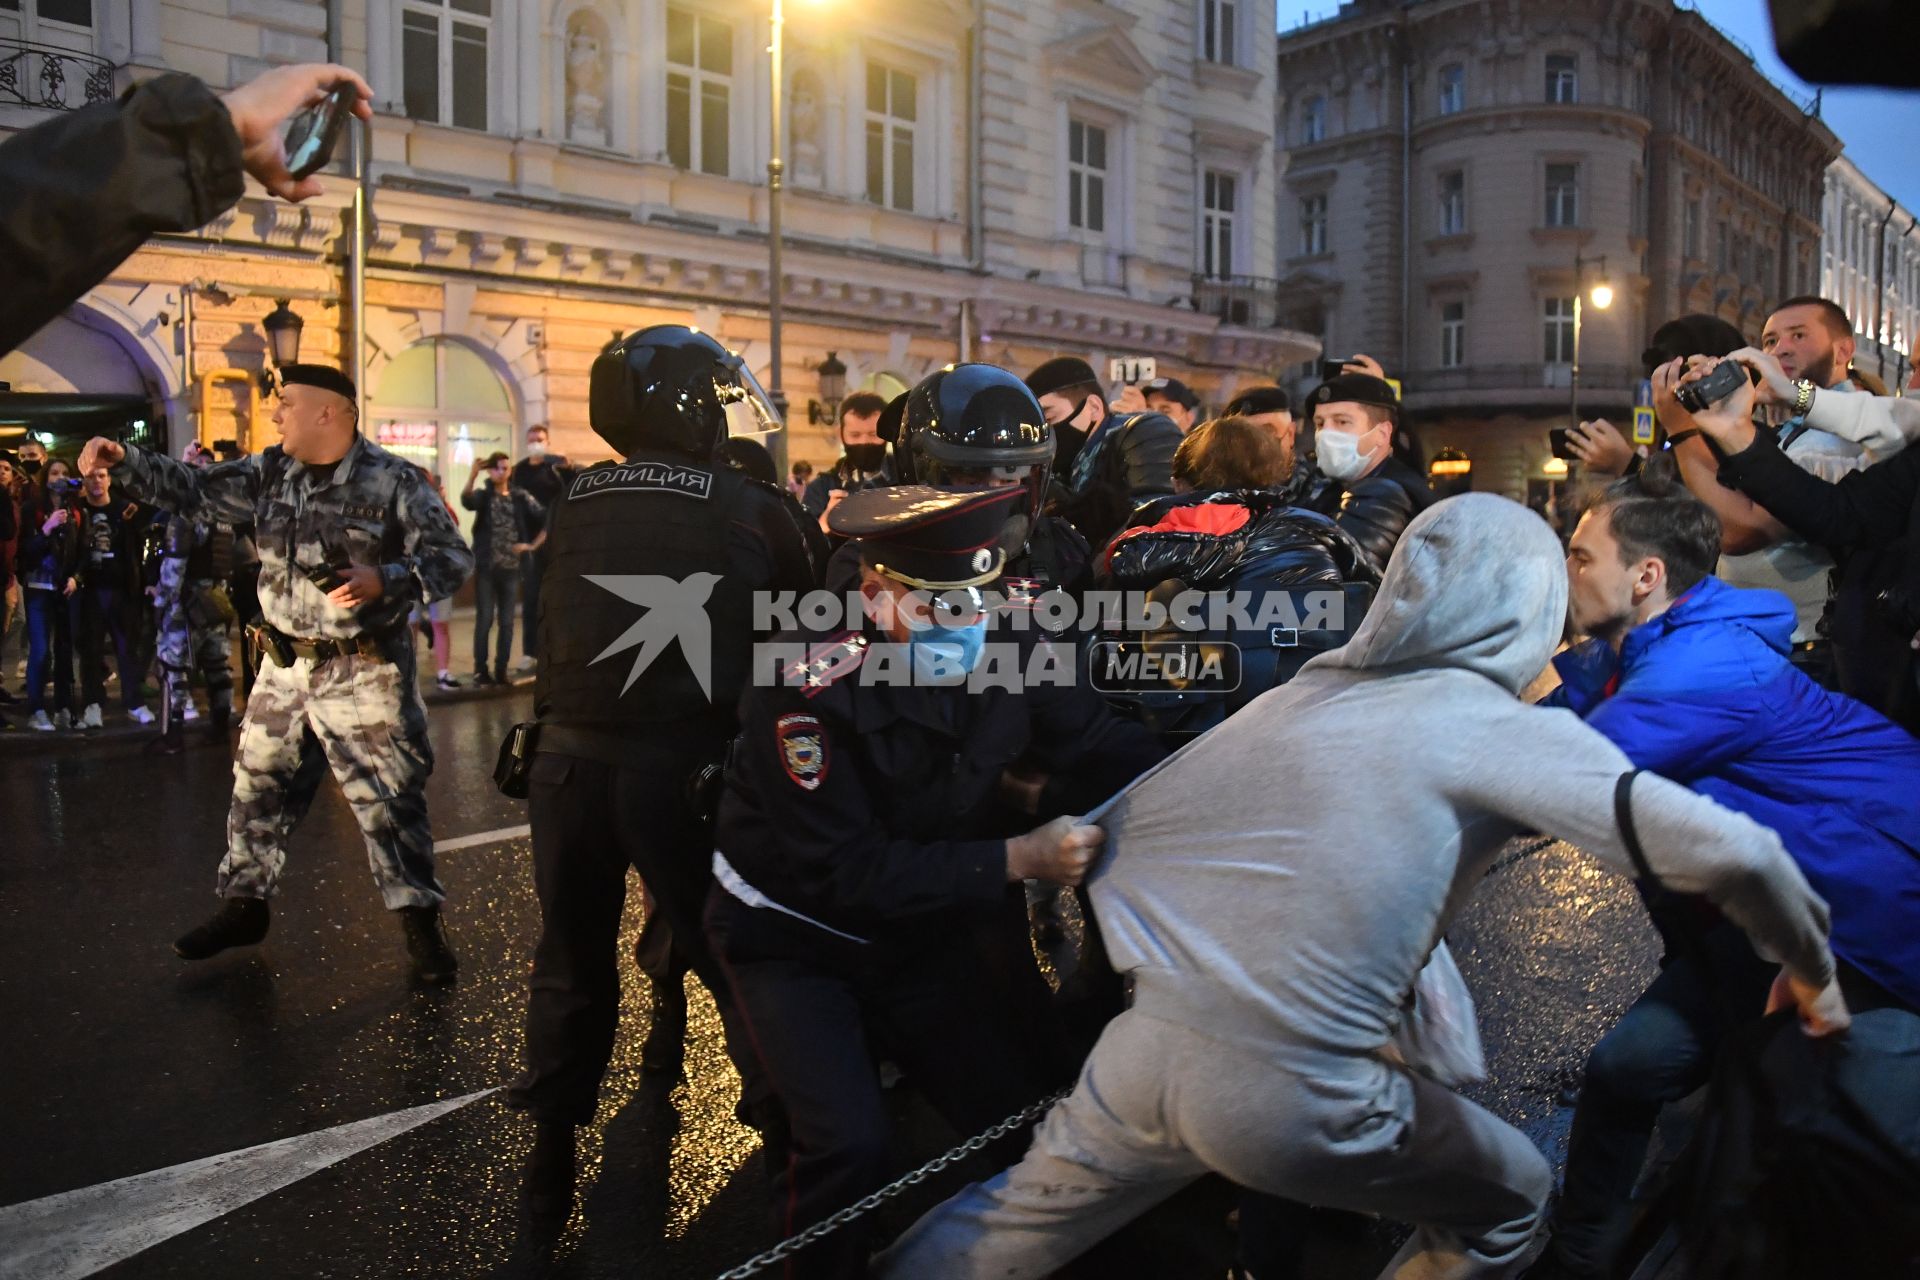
<point x="826" y="663"/>
<point x="802" y="741"/>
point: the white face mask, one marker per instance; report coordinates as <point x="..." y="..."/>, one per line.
<point x="536" y="448"/>
<point x="1339" y="454"/>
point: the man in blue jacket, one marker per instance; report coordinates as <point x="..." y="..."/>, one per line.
<point x="1690" y="678"/>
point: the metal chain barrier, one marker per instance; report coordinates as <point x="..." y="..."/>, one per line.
<point x="860" y="1208"/>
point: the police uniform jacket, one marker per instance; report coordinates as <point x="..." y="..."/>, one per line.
<point x="870" y="808"/>
<point x="1377" y="508"/>
<point x="372" y="509"/>
<point x="646" y="557"/>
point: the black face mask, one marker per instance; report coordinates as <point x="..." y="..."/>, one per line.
<point x="30" y="466"/>
<point x="865" y="457"/>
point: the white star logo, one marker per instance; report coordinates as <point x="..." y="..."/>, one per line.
<point x="675" y="610"/>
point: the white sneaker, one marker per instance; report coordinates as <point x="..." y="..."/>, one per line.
<point x="139" y="715"/>
<point x="525" y="664"/>
<point x="90" y="718"/>
<point x="40" y="722"/>
<point x="191" y="714"/>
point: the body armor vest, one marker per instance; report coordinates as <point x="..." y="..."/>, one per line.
<point x="212" y="556"/>
<point x="625" y="613"/>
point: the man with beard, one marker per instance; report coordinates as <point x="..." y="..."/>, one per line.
<point x="1812" y="339"/>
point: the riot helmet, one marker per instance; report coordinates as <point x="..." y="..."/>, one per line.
<point x="675" y="388"/>
<point x="976" y="426"/>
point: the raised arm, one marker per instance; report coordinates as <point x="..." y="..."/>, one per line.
<point x="227" y="490"/>
<point x="435" y="559"/>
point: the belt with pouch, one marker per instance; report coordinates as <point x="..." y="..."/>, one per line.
<point x="285" y="649"/>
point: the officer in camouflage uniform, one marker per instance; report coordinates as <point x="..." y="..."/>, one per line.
<point x="196" y="560"/>
<point x="349" y="538"/>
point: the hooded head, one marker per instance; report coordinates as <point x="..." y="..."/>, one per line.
<point x="1477" y="583"/>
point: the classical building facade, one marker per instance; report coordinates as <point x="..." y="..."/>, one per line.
<point x="1870" y="264"/>
<point x="1456" y="171"/>
<point x="986" y="179"/>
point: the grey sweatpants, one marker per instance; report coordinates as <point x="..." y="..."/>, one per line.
<point x="1158" y="1105"/>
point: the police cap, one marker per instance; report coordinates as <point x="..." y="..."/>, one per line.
<point x="938" y="539"/>
<point x="317" y="375"/>
<point x="1353" y="388"/>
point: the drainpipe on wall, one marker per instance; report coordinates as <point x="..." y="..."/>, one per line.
<point x="358" y="142"/>
<point x="1406" y="200"/>
<point x="1880" y="292"/>
<point x="976" y="200"/>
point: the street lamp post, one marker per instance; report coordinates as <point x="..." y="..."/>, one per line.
<point x="775" y="280"/>
<point x="1602" y="298"/>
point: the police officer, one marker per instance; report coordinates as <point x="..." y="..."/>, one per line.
<point x="350" y="537"/>
<point x="1109" y="461"/>
<point x="646" y="633"/>
<point x="1374" y="494"/>
<point x="862" y="847"/>
<point x="196" y="559"/>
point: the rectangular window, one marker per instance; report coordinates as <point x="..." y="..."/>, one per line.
<point x="1563" y="195"/>
<point x="1696" y="219"/>
<point x="1563" y="78"/>
<point x="443" y="60"/>
<point x="1086" y="176"/>
<point x="1218" y="210"/>
<point x="1720" y="248"/>
<point x="1453" y="203"/>
<point x="1453" y="335"/>
<point x="1453" y="89"/>
<point x="1637" y="214"/>
<point x="78" y="13"/>
<point x="699" y="91"/>
<point x="1557" y="317"/>
<point x="893" y="112"/>
<point x="1218" y="19"/>
<point x="1313" y="225"/>
<point x="1313" y="120"/>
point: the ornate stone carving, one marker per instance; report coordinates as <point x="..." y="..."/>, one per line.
<point x="808" y="124"/>
<point x="586" y="79"/>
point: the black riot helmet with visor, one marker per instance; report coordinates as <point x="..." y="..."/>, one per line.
<point x="976" y="426"/>
<point x="675" y="388"/>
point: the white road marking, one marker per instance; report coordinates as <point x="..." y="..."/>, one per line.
<point x="480" y="838"/>
<point x="76" y="1233"/>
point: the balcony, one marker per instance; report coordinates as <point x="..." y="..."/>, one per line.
<point x="1245" y="302"/>
<point x="51" y="79"/>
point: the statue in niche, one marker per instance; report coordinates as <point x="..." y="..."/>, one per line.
<point x="586" y="82"/>
<point x="808" y="127"/>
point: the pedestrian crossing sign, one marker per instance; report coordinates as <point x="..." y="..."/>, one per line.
<point x="1642" y="425"/>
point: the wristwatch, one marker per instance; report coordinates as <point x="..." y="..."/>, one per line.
<point x="1802" y="397"/>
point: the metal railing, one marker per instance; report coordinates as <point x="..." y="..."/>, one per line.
<point x="33" y="75"/>
<point x="1246" y="302"/>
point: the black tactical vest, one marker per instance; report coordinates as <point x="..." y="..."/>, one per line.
<point x="613" y="636"/>
<point x="212" y="556"/>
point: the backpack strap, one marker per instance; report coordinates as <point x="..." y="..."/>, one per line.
<point x="1629" y="834"/>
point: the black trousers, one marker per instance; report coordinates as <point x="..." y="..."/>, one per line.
<point x="821" y="1010"/>
<point x="1661" y="1050"/>
<point x="591" y="822"/>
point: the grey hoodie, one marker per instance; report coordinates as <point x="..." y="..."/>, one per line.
<point x="1280" y="881"/>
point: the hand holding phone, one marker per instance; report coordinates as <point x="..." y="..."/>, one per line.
<point x="312" y="134"/>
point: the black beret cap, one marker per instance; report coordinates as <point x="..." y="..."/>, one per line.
<point x="1173" y="389"/>
<point x="939" y="539"/>
<point x="317" y="375"/>
<point x="1060" y="373"/>
<point x="1354" y="388"/>
<point x="1260" y="400"/>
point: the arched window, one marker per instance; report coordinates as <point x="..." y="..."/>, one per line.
<point x="441" y="405"/>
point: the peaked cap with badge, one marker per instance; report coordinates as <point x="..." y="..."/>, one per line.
<point x="937" y="539"/>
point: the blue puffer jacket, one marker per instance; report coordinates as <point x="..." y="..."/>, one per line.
<point x="1704" y="695"/>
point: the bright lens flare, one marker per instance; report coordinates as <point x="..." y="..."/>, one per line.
<point x="1602" y="296"/>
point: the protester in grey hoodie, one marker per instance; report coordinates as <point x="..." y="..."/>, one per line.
<point x="1274" y="897"/>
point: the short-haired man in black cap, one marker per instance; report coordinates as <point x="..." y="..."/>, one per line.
<point x="350" y="539"/>
<point x="1272" y="408"/>
<point x="1375" y="495"/>
<point x="1175" y="399"/>
<point x="868" y="842"/>
<point x="1121" y="459"/>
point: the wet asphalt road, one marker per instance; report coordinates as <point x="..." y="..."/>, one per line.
<point x="122" y="1059"/>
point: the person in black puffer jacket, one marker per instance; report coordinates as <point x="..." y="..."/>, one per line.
<point x="1358" y="444"/>
<point x="1230" y="529"/>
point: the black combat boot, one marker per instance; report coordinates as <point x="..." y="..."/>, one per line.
<point x="433" y="959"/>
<point x="240" y="922"/>
<point x="664" y="1053"/>
<point x="546" y="1189"/>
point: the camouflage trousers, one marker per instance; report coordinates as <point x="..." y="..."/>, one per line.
<point x="361" y="717"/>
<point x="185" y="646"/>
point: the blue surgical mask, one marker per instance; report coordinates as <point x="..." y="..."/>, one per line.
<point x="945" y="655"/>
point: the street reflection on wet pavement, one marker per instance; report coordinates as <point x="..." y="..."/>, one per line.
<point x="125" y="1060"/>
